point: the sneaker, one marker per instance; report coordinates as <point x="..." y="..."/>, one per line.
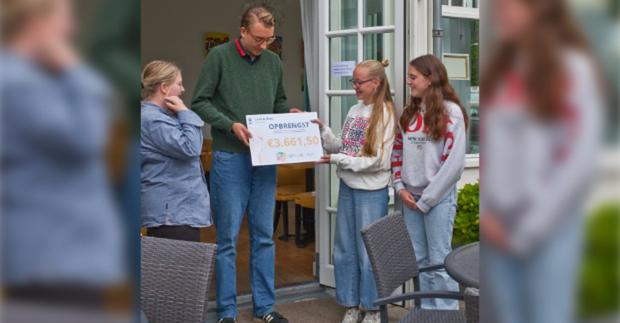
<point x="227" y="320"/>
<point x="372" y="317"/>
<point x="274" y="317"/>
<point x="352" y="315"/>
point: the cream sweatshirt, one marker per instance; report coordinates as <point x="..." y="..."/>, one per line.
<point x="357" y="171"/>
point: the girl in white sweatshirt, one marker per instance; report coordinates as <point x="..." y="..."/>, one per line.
<point x="427" y="161"/>
<point x="362" y="153"/>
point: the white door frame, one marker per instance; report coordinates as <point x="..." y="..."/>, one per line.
<point x="323" y="209"/>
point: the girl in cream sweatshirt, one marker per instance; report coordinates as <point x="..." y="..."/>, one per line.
<point x="362" y="155"/>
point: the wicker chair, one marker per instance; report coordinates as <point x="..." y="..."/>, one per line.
<point x="175" y="279"/>
<point x="393" y="262"/>
<point x="472" y="296"/>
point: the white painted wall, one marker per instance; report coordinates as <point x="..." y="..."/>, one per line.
<point x="173" y="30"/>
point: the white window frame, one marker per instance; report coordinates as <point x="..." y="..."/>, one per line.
<point x="460" y="12"/>
<point x="464" y="11"/>
<point x="420" y="40"/>
<point x="472" y="161"/>
<point x="324" y="207"/>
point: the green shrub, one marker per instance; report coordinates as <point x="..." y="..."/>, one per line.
<point x="467" y="221"/>
<point x="600" y="275"/>
<point x="474" y="49"/>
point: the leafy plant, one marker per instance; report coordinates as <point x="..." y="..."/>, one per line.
<point x="474" y="49"/>
<point x="466" y="224"/>
<point x="600" y="275"/>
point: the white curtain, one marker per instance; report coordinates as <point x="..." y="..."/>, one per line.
<point x="310" y="30"/>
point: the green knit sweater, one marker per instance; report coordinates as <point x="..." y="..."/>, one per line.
<point x="229" y="88"/>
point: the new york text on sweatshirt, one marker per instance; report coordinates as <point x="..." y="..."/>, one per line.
<point x="426" y="167"/>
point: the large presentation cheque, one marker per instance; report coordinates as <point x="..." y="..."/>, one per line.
<point x="284" y="138"/>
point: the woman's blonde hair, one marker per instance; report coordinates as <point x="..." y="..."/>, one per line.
<point x="382" y="97"/>
<point x="156" y="73"/>
<point x="15" y="12"/>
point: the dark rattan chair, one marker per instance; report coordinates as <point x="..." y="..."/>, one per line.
<point x="175" y="279"/>
<point x="472" y="296"/>
<point x="393" y="262"/>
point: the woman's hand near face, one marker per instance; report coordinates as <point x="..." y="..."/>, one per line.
<point x="175" y="104"/>
<point x="58" y="55"/>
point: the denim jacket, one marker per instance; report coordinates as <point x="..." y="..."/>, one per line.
<point x="173" y="186"/>
<point x="59" y="221"/>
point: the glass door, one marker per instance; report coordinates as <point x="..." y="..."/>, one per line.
<point x="351" y="31"/>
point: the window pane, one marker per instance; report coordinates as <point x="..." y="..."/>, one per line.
<point x="342" y="49"/>
<point x="380" y="47"/>
<point x="462" y="3"/>
<point x="378" y="13"/>
<point x="338" y="108"/>
<point x="461" y="37"/>
<point x="342" y="14"/>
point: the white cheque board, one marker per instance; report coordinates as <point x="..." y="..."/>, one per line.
<point x="284" y="138"/>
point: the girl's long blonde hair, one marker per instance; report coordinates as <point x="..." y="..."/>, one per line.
<point x="382" y="97"/>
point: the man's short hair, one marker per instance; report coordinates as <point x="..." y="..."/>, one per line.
<point x="257" y="13"/>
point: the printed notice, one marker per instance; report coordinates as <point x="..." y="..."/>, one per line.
<point x="344" y="68"/>
<point x="284" y="138"/>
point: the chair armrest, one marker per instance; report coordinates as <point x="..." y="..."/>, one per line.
<point x="418" y="295"/>
<point x="430" y="268"/>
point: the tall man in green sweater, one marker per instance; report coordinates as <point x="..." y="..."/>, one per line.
<point x="240" y="78"/>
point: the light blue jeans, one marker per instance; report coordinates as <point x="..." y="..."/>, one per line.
<point x="537" y="289"/>
<point x="237" y="188"/>
<point x="355" y="283"/>
<point x="431" y="235"/>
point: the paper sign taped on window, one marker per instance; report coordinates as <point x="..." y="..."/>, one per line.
<point x="457" y="66"/>
<point x="343" y="68"/>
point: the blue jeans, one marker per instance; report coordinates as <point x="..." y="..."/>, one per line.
<point x="237" y="188"/>
<point x="431" y="236"/>
<point x="355" y="283"/>
<point x="540" y="288"/>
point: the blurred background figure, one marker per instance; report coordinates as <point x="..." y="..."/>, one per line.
<point x="113" y="45"/>
<point x="62" y="240"/>
<point x="542" y="103"/>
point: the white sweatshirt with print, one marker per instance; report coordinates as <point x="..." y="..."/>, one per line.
<point x="427" y="167"/>
<point x="357" y="171"/>
<point x="550" y="166"/>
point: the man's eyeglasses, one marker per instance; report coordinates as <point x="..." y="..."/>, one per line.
<point x="357" y="83"/>
<point x="260" y="40"/>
